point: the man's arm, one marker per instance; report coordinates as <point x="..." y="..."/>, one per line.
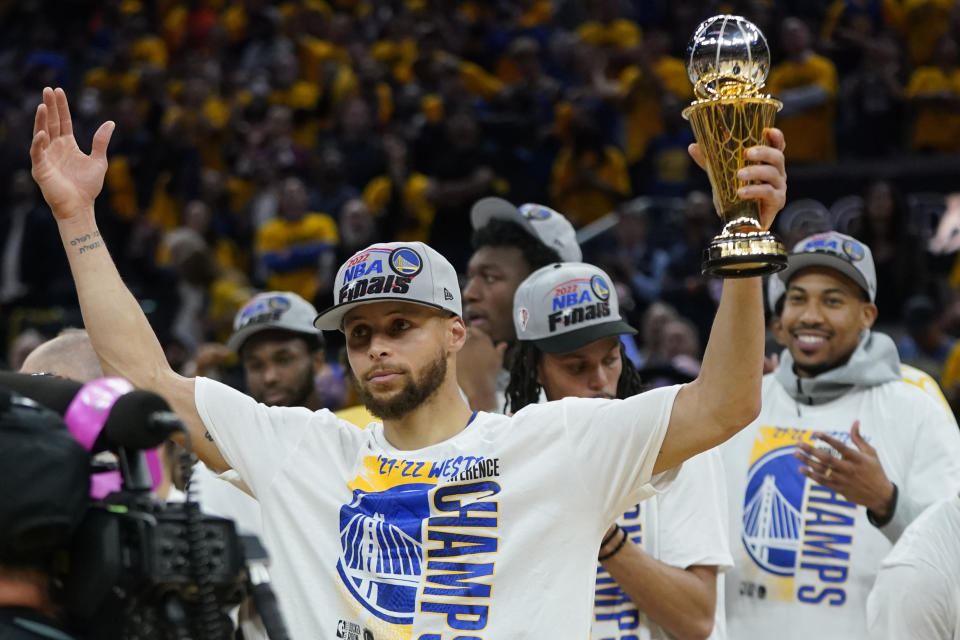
<point x="70" y="181"/>
<point x="725" y="397"/>
<point x="682" y="601"/>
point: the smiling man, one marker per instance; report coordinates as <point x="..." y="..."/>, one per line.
<point x="845" y="454"/>
<point x="431" y="525"/>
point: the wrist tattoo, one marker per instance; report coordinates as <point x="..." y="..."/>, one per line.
<point x="206" y="434"/>
<point x="87" y="242"/>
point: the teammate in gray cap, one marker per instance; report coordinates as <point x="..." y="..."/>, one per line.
<point x="846" y="452"/>
<point x="509" y="243"/>
<point x="659" y="562"/>
<point x="279" y="348"/>
<point x="440" y="522"/>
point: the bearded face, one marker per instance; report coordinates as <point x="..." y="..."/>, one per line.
<point x="411" y="389"/>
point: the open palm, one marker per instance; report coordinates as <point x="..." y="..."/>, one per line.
<point x="69" y="179"/>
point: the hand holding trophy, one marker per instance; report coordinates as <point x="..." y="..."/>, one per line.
<point x="727" y="62"/>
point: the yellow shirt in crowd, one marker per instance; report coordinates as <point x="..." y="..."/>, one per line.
<point x="935" y="127"/>
<point x="643" y="116"/>
<point x="280" y="237"/>
<point x="583" y="204"/>
<point x="810" y="133"/>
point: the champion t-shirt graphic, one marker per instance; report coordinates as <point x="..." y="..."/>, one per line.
<point x="447" y="541"/>
<point x="799" y="535"/>
<point x="802" y="551"/>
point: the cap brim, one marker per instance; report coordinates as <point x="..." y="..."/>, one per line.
<point x="573" y="340"/>
<point x="492" y="208"/>
<point x="331" y="318"/>
<point x="799" y="261"/>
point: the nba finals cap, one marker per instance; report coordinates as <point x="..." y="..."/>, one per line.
<point x="543" y="223"/>
<point x="835" y="251"/>
<point x="404" y="271"/>
<point x="282" y="310"/>
<point x="564" y="306"/>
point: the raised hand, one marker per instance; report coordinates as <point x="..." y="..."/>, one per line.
<point x="769" y="172"/>
<point x="69" y="179"/>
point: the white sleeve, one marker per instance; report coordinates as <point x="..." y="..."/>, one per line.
<point x="693" y="515"/>
<point x="254" y="439"/>
<point x="933" y="471"/>
<point x="617" y="443"/>
<point x="910" y="601"/>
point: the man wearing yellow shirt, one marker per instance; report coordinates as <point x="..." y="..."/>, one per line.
<point x="290" y="246"/>
<point x="807" y="85"/>
<point x="934" y="94"/>
<point x="589" y="177"/>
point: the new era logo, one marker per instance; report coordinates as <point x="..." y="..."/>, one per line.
<point x="446" y="294"/>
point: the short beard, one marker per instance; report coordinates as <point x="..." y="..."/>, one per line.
<point x="301" y="395"/>
<point x="309" y="386"/>
<point x="410" y="397"/>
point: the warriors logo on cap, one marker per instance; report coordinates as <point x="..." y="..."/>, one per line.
<point x="535" y="211"/>
<point x="600" y="288"/>
<point x="853" y="250"/>
<point x="406" y="262"/>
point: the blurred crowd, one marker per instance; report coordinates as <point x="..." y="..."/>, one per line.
<point x="260" y="142"/>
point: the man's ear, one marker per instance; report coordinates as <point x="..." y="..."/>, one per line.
<point x="868" y="315"/>
<point x="457" y="334"/>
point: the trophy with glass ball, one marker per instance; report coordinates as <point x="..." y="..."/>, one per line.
<point x="727" y="62"/>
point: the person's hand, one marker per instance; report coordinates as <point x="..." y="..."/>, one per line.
<point x="478" y="364"/>
<point x="69" y="179"/>
<point x="769" y="172"/>
<point x="856" y="473"/>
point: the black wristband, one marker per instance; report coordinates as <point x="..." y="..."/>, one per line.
<point x="619" y="546"/>
<point x="882" y="522"/>
<point x="609" y="537"/>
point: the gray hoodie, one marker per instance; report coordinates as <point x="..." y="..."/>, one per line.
<point x="874" y="362"/>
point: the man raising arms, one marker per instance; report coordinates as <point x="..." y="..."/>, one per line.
<point x="395" y="530"/>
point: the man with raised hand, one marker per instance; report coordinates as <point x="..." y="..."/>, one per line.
<point x="395" y="530"/>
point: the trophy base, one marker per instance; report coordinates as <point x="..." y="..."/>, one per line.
<point x="741" y="253"/>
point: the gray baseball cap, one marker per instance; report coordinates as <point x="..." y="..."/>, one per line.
<point x="282" y="310"/>
<point x="404" y="271"/>
<point x="567" y="305"/>
<point x="546" y="225"/>
<point x="835" y="251"/>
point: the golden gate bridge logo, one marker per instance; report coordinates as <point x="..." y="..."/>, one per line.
<point x="772" y="521"/>
<point x="381" y="551"/>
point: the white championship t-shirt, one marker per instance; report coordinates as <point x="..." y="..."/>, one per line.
<point x="684" y="526"/>
<point x="806" y="557"/>
<point x="917" y="593"/>
<point x="489" y="535"/>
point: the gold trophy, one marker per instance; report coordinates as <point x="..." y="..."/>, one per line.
<point x="727" y="61"/>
